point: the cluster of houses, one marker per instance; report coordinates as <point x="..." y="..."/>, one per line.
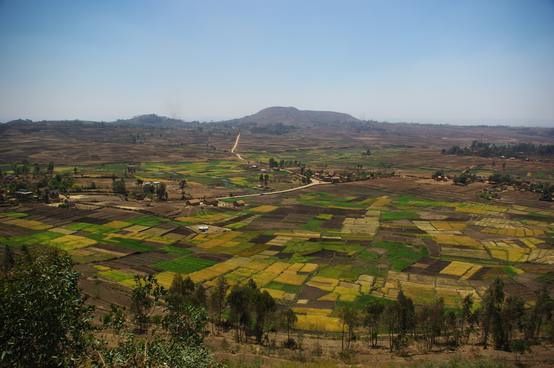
<point x="23" y="195"/>
<point x="214" y="202"/>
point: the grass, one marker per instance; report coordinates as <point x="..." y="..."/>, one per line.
<point x="313" y="224"/>
<point x="184" y="264"/>
<point x="400" y="255"/>
<point x="146" y="220"/>
<point x="293" y="289"/>
<point x="327" y="200"/>
<point x="116" y="275"/>
<point x="38" y="238"/>
<point x="14" y="214"/>
<point x="398" y="215"/>
<point x="408" y="200"/>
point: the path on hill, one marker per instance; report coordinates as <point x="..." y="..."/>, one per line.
<point x="313" y="182"/>
<point x="235" y="147"/>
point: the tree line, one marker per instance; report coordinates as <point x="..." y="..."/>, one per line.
<point x="485" y="149"/>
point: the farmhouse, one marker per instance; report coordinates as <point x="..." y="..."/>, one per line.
<point x="24" y="195"/>
<point x="239" y="203"/>
<point x="193" y="202"/>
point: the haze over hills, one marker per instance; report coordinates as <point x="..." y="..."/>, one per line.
<point x="291" y="117"/>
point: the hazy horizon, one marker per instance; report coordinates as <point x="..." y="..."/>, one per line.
<point x="460" y="63"/>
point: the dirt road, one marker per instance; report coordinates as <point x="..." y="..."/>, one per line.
<point x="313" y="182"/>
<point x="235" y="147"/>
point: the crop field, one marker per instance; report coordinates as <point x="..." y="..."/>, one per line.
<point x="314" y="249"/>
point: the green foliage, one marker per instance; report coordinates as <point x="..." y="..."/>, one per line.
<point x="45" y="322"/>
<point x="400" y="255"/>
<point x="184" y="264"/>
<point x="398" y="215"/>
<point x="146" y="295"/>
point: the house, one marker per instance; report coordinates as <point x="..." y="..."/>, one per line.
<point x="203" y="228"/>
<point x="335" y="179"/>
<point x="193" y="202"/>
<point x="239" y="203"/>
<point x="24" y="195"/>
<point x="211" y="202"/>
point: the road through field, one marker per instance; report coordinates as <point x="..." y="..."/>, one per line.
<point x="235" y="147"/>
<point x="313" y="182"/>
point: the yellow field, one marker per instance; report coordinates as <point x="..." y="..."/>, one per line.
<point x="519" y="232"/>
<point x="68" y="242"/>
<point x="279" y="294"/>
<point x="165" y="278"/>
<point x="363" y="225"/>
<point x="309" y="268"/>
<point x="218" y="269"/>
<point x="204" y="218"/>
<point x="381" y="202"/>
<point x="460" y="240"/>
<point x="117" y="224"/>
<point x="311" y="322"/>
<point x="507" y="251"/>
<point x="264" y="208"/>
<point x="456" y="268"/>
<point x="323" y="283"/>
<point x="291" y="278"/>
<point x="28" y="224"/>
<point x="217" y="240"/>
<point x="277" y="268"/>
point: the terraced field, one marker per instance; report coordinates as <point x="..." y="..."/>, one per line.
<point x="313" y="251"/>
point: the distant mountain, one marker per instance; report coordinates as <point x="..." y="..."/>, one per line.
<point x="296" y="117"/>
<point x="150" y="120"/>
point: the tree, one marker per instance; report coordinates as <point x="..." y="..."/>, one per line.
<point x="264" y="306"/>
<point x="45" y="322"/>
<point x="511" y="316"/>
<point x="50" y="169"/>
<point x="161" y="191"/>
<point x="239" y="310"/>
<point x="289" y="319"/>
<point x="490" y="314"/>
<point x="145" y="297"/>
<point x="373" y="311"/>
<point x="349" y="318"/>
<point x="9" y="259"/>
<point x="467" y="318"/>
<point x="217" y="302"/>
<point x="118" y="186"/>
<point x="186" y="323"/>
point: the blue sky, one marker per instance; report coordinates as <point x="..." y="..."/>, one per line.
<point x="460" y="62"/>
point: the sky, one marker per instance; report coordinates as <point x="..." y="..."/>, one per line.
<point x="456" y="62"/>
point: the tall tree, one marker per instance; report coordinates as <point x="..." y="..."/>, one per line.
<point x="45" y="322"/>
<point x="373" y="312"/>
<point x="216" y="301"/>
<point x="490" y="313"/>
<point x="145" y="297"/>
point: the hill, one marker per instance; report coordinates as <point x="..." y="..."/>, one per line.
<point x="296" y="117"/>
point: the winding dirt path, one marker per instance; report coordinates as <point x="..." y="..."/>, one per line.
<point x="235" y="148"/>
<point x="313" y="182"/>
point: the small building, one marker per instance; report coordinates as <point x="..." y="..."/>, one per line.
<point x="335" y="179"/>
<point x="239" y="203"/>
<point x="24" y="195"/>
<point x="211" y="202"/>
<point x="203" y="228"/>
<point x="193" y="202"/>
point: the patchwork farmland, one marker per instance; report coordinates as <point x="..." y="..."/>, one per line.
<point x="313" y="250"/>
